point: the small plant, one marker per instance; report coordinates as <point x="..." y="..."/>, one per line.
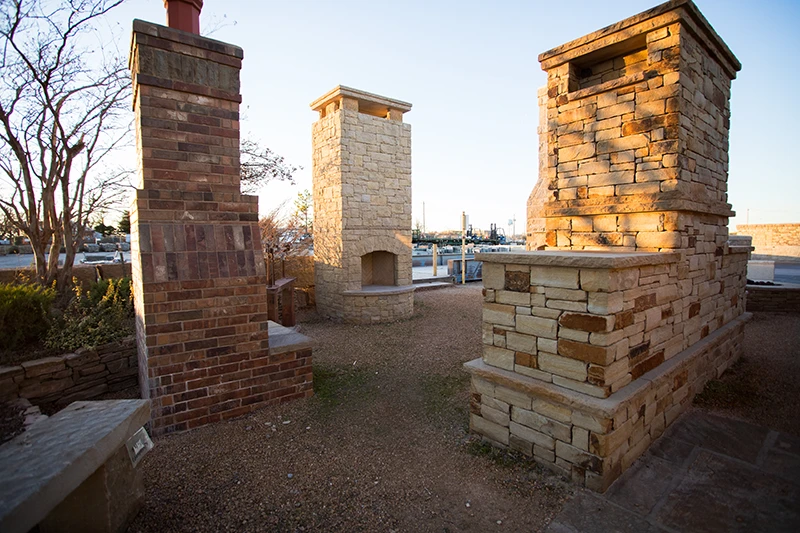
<point x="24" y="314"/>
<point x="98" y="316"/>
<point x="334" y="384"/>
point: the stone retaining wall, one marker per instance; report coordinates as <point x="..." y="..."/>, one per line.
<point x="773" y="298"/>
<point x="777" y="242"/>
<point x="83" y="375"/>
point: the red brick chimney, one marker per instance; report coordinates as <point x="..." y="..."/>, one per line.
<point x="184" y="14"/>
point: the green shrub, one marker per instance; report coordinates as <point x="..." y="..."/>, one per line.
<point x="100" y="315"/>
<point x="24" y="314"/>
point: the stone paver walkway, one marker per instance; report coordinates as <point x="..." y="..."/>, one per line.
<point x="707" y="473"/>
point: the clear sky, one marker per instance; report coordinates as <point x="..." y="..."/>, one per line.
<point x="470" y="70"/>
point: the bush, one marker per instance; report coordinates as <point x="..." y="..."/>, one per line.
<point x="24" y="314"/>
<point x="98" y="316"/>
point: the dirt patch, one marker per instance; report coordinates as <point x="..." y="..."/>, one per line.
<point x="383" y="446"/>
<point x="762" y="386"/>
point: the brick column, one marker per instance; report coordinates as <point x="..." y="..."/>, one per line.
<point x="198" y="268"/>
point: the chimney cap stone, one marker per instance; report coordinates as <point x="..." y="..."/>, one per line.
<point x="369" y="103"/>
<point x="683" y="11"/>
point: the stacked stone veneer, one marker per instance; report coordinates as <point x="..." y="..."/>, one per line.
<point x="536" y="224"/>
<point x="83" y="375"/>
<point x="198" y="269"/>
<point x="362" y="204"/>
<point x="592" y="347"/>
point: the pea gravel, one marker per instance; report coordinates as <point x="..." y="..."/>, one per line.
<point x="383" y="446"/>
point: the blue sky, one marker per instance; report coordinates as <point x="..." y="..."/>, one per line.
<point x="470" y="69"/>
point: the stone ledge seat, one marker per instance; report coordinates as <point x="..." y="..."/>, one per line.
<point x="283" y="339"/>
<point x="580" y="259"/>
<point x="78" y="457"/>
<point x="380" y="290"/>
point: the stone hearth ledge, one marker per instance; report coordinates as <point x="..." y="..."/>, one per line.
<point x="581" y="259"/>
<point x="380" y="290"/>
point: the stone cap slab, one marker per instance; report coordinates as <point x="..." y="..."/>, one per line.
<point x="582" y="259"/>
<point x="283" y="339"/>
<point x="684" y="11"/>
<point x="640" y="203"/>
<point x="180" y="37"/>
<point x="380" y="290"/>
<point x="370" y="103"/>
<point x="39" y="468"/>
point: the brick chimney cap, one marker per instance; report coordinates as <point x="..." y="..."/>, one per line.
<point x="197" y="3"/>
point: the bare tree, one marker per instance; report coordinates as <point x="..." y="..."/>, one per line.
<point x="60" y="117"/>
<point x="283" y="238"/>
<point x="260" y="165"/>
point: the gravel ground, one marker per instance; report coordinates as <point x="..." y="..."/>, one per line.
<point x="762" y="386"/>
<point x="383" y="445"/>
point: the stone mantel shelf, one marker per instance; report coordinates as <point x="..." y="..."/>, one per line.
<point x="582" y="259"/>
<point x="380" y="290"/>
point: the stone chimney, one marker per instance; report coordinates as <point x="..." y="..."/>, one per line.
<point x="362" y="207"/>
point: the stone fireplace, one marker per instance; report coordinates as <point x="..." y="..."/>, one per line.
<point x="362" y="207"/>
<point x="596" y="344"/>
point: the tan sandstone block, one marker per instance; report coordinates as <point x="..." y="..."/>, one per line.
<point x="577" y="457"/>
<point x="589" y="353"/>
<point x="512" y="397"/>
<point x="659" y="239"/>
<point x="574" y="153"/>
<point x="573" y="295"/>
<point x="498" y="357"/>
<point x="521" y="343"/>
<point x="500" y="418"/>
<point x="499" y="314"/>
<point x="513" y="298"/>
<point x="611" y="178"/>
<point x="605" y="303"/>
<point x="580" y="438"/>
<point x="493" y="431"/>
<point x="540" y="327"/>
<point x="536" y="421"/>
<point x="531" y="435"/>
<point x="563" y="366"/>
<point x="566" y="278"/>
<point x="494" y="276"/>
<point x="631" y="142"/>
<point x="551" y="410"/>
